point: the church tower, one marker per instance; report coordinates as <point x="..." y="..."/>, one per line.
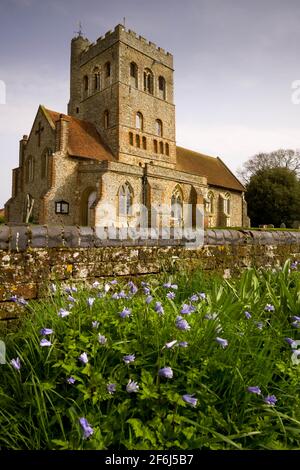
<point x="124" y="85"/>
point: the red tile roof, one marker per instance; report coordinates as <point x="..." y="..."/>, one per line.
<point x="213" y="168"/>
<point x="84" y="139"/>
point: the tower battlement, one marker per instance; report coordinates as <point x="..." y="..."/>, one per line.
<point x="131" y="39"/>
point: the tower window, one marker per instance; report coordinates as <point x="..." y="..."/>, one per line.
<point x="138" y="141"/>
<point x="155" y="146"/>
<point x="162" y="87"/>
<point x="133" y="75"/>
<point x="106" y="119"/>
<point x="139" y="121"/>
<point x="167" y="150"/>
<point x="96" y="79"/>
<point x="85" y="83"/>
<point x="161" y="147"/>
<point x="148" y="81"/>
<point x="159" y="128"/>
<point x="144" y="143"/>
<point x="107" y="69"/>
<point x="130" y="138"/>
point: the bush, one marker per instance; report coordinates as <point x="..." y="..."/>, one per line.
<point x="189" y="396"/>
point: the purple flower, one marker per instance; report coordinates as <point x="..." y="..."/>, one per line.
<point x="132" y="386"/>
<point x="71" y="380"/>
<point x="294" y="265"/>
<point x="126" y="312"/>
<point x="149" y="299"/>
<point x="202" y="295"/>
<point x="182" y="324"/>
<point x="291" y="342"/>
<point x="129" y="358"/>
<point x="269" y="308"/>
<point x="95" y="324"/>
<point x="90" y="301"/>
<point x="187" y="309"/>
<point x="63" y="313"/>
<point x="115" y="296"/>
<point x="71" y="289"/>
<point x="170" y="344"/>
<point x="183" y="344"/>
<point x="71" y="299"/>
<point x="171" y="295"/>
<point x="132" y="287"/>
<point x="53" y="288"/>
<point x="114" y="282"/>
<point x="247" y="315"/>
<point x="295" y="318"/>
<point x="46" y="331"/>
<point x="18" y="300"/>
<point x="16" y="363"/>
<point x="111" y="388"/>
<point x="83" y="358"/>
<point x="45" y="343"/>
<point x="146" y="290"/>
<point x="87" y="429"/>
<point x="102" y="339"/>
<point x="168" y="285"/>
<point x="222" y="342"/>
<point x="255" y="390"/>
<point x="270" y="400"/>
<point x="194" y="298"/>
<point x="95" y="285"/>
<point x="190" y="399"/>
<point x="166" y="372"/>
<point x="259" y="325"/>
<point x="296" y="324"/>
<point x="159" y="308"/>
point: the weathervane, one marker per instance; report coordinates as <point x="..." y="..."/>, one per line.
<point x="79" y="32"/>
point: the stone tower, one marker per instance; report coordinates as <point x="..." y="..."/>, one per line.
<point x="124" y="85"/>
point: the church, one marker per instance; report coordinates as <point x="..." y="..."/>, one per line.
<point x="117" y="145"/>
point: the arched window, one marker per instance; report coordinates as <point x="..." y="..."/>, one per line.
<point x="209" y="202"/>
<point x="148" y="81"/>
<point x="45" y="163"/>
<point x="162" y="88"/>
<point x="107" y="69"/>
<point x="176" y="204"/>
<point x="155" y="146"/>
<point x="96" y="73"/>
<point x="167" y="150"/>
<point x="226" y="204"/>
<point x="139" y="124"/>
<point x="29" y="170"/>
<point x="144" y="143"/>
<point x="106" y="119"/>
<point x="130" y="138"/>
<point x="137" y="141"/>
<point x="125" y="199"/>
<point x="133" y="75"/>
<point x="159" y="128"/>
<point x="161" y="147"/>
<point x="85" y="86"/>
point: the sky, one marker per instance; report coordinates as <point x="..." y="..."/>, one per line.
<point x="235" y="63"/>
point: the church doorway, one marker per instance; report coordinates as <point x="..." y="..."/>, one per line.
<point x="88" y="207"/>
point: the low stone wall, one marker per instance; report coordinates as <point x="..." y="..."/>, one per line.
<point x="32" y="257"/>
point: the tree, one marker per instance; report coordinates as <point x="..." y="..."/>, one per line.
<point x="273" y="197"/>
<point x="282" y="158"/>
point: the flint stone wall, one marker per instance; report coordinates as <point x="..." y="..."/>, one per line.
<point x="33" y="256"/>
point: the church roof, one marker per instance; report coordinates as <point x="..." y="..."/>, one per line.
<point x="214" y="169"/>
<point x="83" y="138"/>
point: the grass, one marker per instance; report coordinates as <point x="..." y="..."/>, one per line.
<point x="39" y="409"/>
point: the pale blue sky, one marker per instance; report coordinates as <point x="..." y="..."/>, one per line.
<point x="235" y="61"/>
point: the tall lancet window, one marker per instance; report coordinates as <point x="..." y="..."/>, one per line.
<point x="125" y="199"/>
